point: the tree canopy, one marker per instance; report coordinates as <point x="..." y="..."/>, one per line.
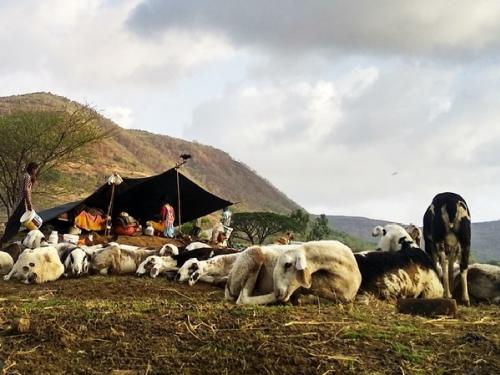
<point x="255" y="227"/>
<point x="45" y="137"/>
<point x="320" y="229"/>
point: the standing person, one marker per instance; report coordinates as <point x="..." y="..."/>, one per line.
<point x="168" y="215"/>
<point x="25" y="203"/>
<point x="226" y="217"/>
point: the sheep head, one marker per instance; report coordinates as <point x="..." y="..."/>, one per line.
<point x="290" y="273"/>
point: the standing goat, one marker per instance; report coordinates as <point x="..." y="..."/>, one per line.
<point x="447" y="235"/>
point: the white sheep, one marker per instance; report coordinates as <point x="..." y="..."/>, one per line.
<point x="211" y="270"/>
<point x="6" y="263"/>
<point x="251" y="278"/>
<point x="157" y="265"/>
<point x="262" y="275"/>
<point x="390" y="236"/>
<point x="34" y="239"/>
<point x="37" y="266"/>
<point x="197" y="245"/>
<point x="483" y="282"/>
<point x="337" y="273"/>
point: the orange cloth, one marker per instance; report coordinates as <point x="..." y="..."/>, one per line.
<point x="89" y="222"/>
<point x="158" y="226"/>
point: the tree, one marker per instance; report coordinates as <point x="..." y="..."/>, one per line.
<point x="45" y="137"/>
<point x="302" y="219"/>
<point x="257" y="226"/>
<point x="320" y="229"/>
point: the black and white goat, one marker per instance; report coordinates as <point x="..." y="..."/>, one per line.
<point x="408" y="273"/>
<point x="76" y="260"/>
<point x="447" y="235"/>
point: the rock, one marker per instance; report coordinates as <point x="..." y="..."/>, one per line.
<point x="427" y="307"/>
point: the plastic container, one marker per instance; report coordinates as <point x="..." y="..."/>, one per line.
<point x="73" y="238"/>
<point x="149" y="231"/>
<point x="54" y="237"/>
<point x="31" y="220"/>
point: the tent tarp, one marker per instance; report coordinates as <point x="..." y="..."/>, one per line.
<point x="142" y="198"/>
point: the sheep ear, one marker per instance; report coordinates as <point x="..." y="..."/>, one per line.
<point x="304" y="278"/>
<point x="384" y="232"/>
<point x="301" y="262"/>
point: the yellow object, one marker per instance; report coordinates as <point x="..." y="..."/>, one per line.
<point x="31" y="220"/>
<point x="89" y="222"/>
<point x="159" y="226"/>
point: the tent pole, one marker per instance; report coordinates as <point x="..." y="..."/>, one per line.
<point x="179" y="200"/>
<point x="108" y="216"/>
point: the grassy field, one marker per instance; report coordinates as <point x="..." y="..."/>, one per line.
<point x="128" y="325"/>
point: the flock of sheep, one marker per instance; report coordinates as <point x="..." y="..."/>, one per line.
<point x="279" y="273"/>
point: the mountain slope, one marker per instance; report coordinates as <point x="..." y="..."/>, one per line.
<point x="485" y="235"/>
<point x="134" y="153"/>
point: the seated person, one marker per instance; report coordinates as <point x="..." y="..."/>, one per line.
<point x="166" y="225"/>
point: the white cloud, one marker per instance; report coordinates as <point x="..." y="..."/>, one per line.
<point x="334" y="145"/>
<point x="444" y="28"/>
<point x="120" y="115"/>
<point x="326" y="99"/>
<point x="84" y="45"/>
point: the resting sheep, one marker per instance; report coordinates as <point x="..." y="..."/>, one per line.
<point x="483" y="283"/>
<point x="447" y="235"/>
<point x="211" y="270"/>
<point x="326" y="269"/>
<point x="6" y="263"/>
<point x="34" y="239"/>
<point x="399" y="274"/>
<point x="76" y="261"/>
<point x="123" y="259"/>
<point x="267" y="274"/>
<point x="37" y="266"/>
<point x="416" y="234"/>
<point x="174" y="262"/>
<point x="156" y="265"/>
<point x="390" y="235"/>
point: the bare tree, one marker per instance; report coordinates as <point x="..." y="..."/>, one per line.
<point x="45" y="137"/>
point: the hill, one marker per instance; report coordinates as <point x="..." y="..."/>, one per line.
<point x="485" y="235"/>
<point x="137" y="153"/>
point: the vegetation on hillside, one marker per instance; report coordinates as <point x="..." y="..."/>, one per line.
<point x="136" y="153"/>
<point x="48" y="138"/>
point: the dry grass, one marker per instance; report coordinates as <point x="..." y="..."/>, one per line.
<point x="126" y="325"/>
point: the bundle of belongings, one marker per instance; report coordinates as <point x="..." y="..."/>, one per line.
<point x="126" y="225"/>
<point x="91" y="219"/>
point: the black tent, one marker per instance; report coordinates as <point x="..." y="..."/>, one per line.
<point x="142" y="198"/>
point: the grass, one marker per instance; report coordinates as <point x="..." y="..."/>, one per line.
<point x="99" y="324"/>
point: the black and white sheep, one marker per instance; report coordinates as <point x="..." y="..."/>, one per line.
<point x="163" y="264"/>
<point x="447" y="235"/>
<point x="407" y="273"/>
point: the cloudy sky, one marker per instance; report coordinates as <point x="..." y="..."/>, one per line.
<point x="363" y="107"/>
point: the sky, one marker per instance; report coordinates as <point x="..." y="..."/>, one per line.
<point x="364" y="108"/>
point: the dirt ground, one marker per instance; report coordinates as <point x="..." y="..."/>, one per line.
<point x="129" y="325"/>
